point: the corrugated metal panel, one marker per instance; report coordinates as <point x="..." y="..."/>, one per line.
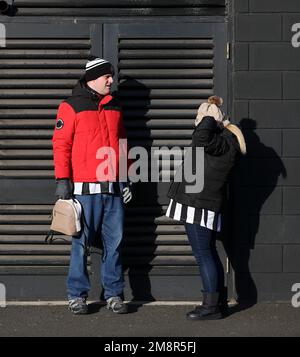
<point x="155" y="106"/>
<point x="104" y="8"/>
<point x="27" y="106"/>
<point x="35" y="75"/>
<point x="23" y="228"/>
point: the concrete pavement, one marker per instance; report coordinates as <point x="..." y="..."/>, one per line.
<point x="264" y="319"/>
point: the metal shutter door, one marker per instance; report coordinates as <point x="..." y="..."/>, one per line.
<point x="164" y="71"/>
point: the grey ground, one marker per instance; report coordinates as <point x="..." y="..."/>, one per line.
<point x="274" y="320"/>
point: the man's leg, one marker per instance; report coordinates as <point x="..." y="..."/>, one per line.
<point x="78" y="284"/>
<point x="112" y="235"/>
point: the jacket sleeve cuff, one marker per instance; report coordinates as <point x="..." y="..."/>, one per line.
<point x="62" y="178"/>
<point x="62" y="173"/>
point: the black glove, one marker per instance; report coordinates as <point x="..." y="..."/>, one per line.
<point x="64" y="189"/>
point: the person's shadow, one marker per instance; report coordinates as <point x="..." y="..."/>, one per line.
<point x="140" y="227"/>
<point x="141" y="213"/>
<point x="252" y="181"/>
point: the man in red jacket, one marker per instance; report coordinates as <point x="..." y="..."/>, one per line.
<point x="88" y="121"/>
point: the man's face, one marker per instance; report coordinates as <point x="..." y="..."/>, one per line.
<point x="102" y="85"/>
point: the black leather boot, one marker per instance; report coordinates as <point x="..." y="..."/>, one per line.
<point x="209" y="310"/>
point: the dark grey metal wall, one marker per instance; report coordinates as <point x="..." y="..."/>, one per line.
<point x="266" y="104"/>
<point x="165" y="70"/>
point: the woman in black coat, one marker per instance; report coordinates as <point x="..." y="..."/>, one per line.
<point x="201" y="212"/>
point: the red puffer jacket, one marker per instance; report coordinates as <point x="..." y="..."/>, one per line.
<point x="85" y="123"/>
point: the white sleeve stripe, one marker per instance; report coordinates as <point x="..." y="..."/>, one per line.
<point x="210" y="219"/>
<point x="190" y="215"/>
<point x="78" y="188"/>
<point x="169" y="208"/>
<point x="94" y="188"/>
<point x="202" y="223"/>
<point x="177" y="214"/>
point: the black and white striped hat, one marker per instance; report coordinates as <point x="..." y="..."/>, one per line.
<point x="97" y="67"/>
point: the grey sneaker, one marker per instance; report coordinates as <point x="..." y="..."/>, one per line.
<point x="78" y="306"/>
<point x="117" y="305"/>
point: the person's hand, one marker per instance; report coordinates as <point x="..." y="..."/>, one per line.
<point x="217" y="113"/>
<point x="64" y="189"/>
<point x="127" y="194"/>
<point x="209" y="110"/>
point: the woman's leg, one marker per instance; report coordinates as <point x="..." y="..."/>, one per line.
<point x="219" y="265"/>
<point x="203" y="243"/>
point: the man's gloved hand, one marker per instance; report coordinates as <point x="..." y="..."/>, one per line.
<point x="127" y="193"/>
<point x="64" y="189"/>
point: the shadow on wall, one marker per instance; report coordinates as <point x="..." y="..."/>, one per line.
<point x="253" y="181"/>
<point x="139" y="243"/>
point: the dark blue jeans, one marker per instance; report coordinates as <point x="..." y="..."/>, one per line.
<point x="103" y="218"/>
<point x="203" y="242"/>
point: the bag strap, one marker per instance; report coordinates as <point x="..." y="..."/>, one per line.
<point x="49" y="238"/>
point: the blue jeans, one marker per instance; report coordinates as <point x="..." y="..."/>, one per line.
<point x="203" y="243"/>
<point x="103" y="218"/>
